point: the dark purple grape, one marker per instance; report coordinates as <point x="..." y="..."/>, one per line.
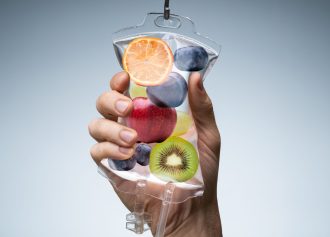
<point x="171" y="93"/>
<point x="192" y="58"/>
<point x="142" y="154"/>
<point x="122" y="165"/>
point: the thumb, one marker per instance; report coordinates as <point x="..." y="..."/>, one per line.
<point x="201" y="106"/>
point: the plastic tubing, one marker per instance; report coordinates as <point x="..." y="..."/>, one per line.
<point x="168" y="194"/>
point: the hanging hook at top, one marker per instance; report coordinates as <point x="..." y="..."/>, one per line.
<point x="167" y="9"/>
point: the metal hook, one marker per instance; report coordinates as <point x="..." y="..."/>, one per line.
<point x="167" y="9"/>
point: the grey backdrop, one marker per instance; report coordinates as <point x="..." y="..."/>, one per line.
<point x="270" y="91"/>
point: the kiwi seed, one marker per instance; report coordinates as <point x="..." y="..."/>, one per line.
<point x="175" y="160"/>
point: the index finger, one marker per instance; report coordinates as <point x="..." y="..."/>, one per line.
<point x="120" y="82"/>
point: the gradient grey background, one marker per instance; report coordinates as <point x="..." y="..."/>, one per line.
<point x="270" y="91"/>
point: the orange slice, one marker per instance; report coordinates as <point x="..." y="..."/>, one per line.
<point x="148" y="61"/>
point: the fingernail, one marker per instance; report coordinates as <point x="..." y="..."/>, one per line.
<point x="125" y="150"/>
<point x="122" y="105"/>
<point x="127" y="136"/>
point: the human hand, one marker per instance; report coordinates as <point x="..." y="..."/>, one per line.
<point x="195" y="217"/>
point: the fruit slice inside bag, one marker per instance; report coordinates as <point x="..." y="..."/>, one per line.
<point x="159" y="55"/>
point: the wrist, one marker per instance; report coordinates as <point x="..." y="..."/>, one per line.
<point x="204" y="221"/>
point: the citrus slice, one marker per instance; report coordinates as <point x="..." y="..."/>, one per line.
<point x="148" y="61"/>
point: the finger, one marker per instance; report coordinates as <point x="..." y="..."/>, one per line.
<point x="105" y="150"/>
<point x="113" y="104"/>
<point x="201" y="106"/>
<point x="120" y="82"/>
<point x="106" y="130"/>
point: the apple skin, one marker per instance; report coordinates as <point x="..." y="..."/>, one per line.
<point x="152" y="123"/>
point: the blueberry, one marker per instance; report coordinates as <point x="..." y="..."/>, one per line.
<point x="171" y="93"/>
<point x="122" y="165"/>
<point x="142" y="154"/>
<point x="192" y="58"/>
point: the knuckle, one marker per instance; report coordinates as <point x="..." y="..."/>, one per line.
<point x="91" y="126"/>
<point x="104" y="128"/>
<point x="208" y="100"/>
<point x="208" y="104"/>
<point x="217" y="135"/>
<point x="101" y="101"/>
<point x="100" y="151"/>
<point x="94" y="151"/>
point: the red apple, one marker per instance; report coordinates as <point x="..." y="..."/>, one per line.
<point x="152" y="123"/>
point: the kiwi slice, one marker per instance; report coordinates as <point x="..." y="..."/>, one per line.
<point x="175" y="160"/>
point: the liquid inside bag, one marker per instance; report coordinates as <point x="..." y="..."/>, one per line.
<point x="159" y="56"/>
